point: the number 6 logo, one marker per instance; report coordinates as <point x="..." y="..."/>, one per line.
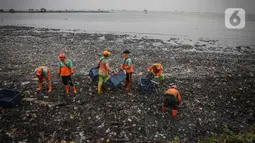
<point x="235" y="18"/>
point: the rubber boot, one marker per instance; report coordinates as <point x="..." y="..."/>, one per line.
<point x="163" y="108"/>
<point x="128" y="87"/>
<point x="174" y="112"/>
<point x="50" y="88"/>
<point x="99" y="89"/>
<point x="38" y="89"/>
<point x="126" y="84"/>
<point x="40" y="86"/>
<point x="106" y="87"/>
<point x="67" y="88"/>
<point x="74" y="90"/>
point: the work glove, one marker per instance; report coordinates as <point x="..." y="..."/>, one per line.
<point x="180" y="103"/>
<point x="114" y="72"/>
<point x="163" y="108"/>
<point x="72" y="74"/>
<point x="111" y="73"/>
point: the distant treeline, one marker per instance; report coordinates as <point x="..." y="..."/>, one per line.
<point x="43" y="10"/>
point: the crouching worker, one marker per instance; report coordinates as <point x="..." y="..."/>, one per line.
<point x="65" y="70"/>
<point x="172" y="100"/>
<point x="127" y="65"/>
<point x="43" y="72"/>
<point x="157" y="70"/>
<point x="104" y="70"/>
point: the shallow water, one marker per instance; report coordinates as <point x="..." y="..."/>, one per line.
<point x="161" y="25"/>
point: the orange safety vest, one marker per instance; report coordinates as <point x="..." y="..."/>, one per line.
<point x="104" y="66"/>
<point x="126" y="67"/>
<point x="48" y="73"/>
<point x="65" y="68"/>
<point x="174" y="92"/>
<point x="157" y="69"/>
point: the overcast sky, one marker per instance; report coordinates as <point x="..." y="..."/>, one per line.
<point x="155" y="5"/>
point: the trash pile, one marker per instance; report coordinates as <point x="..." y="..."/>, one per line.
<point x="217" y="89"/>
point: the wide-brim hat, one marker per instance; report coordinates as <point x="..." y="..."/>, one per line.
<point x="107" y="52"/>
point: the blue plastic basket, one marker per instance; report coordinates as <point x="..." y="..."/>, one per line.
<point x="9" y="98"/>
<point x="146" y="86"/>
<point x="93" y="73"/>
<point x="116" y="80"/>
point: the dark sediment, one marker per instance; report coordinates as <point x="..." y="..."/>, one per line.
<point x="217" y="86"/>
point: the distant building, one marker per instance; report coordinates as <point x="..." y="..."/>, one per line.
<point x="145" y="11"/>
<point x="12" y="10"/>
<point x="30" y="10"/>
<point x="43" y="10"/>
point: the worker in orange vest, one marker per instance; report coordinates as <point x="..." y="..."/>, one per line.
<point x="172" y="99"/>
<point x="104" y="70"/>
<point x="157" y="70"/>
<point x="43" y="72"/>
<point x="65" y="69"/>
<point x="127" y="65"/>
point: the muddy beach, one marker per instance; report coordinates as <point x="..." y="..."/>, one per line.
<point x="217" y="86"/>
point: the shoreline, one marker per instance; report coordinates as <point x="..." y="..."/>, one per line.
<point x="199" y="45"/>
<point x="190" y="31"/>
<point x="57" y="11"/>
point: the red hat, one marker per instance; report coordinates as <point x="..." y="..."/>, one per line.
<point x="173" y="86"/>
<point x="62" y="55"/>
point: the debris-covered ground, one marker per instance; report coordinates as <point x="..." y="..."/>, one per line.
<point x="217" y="86"/>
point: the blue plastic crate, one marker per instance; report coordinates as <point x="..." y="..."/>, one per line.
<point x="115" y="80"/>
<point x="9" y="98"/>
<point x="146" y="86"/>
<point x="93" y="73"/>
